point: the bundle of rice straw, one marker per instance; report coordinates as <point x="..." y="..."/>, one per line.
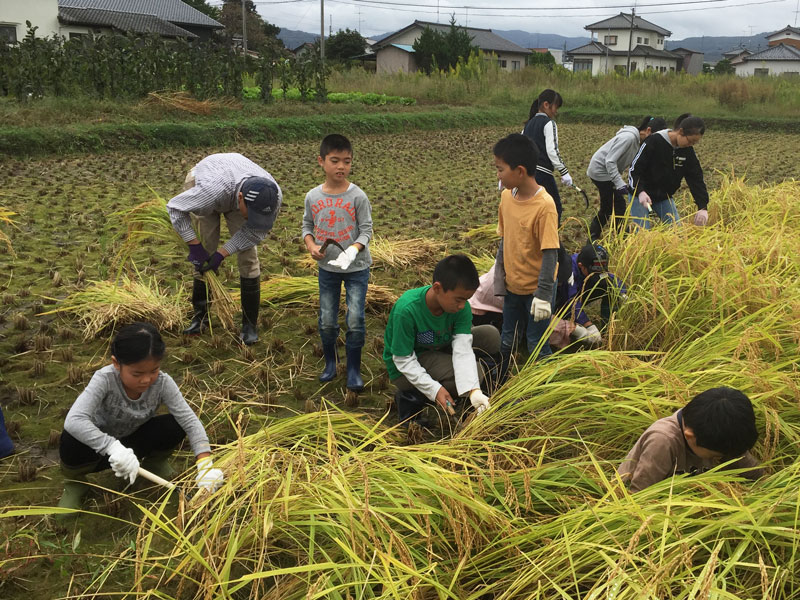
<point x="103" y="305"/>
<point x="395" y="253"/>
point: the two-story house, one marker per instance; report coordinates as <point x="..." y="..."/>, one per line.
<point x="611" y="40"/>
<point x="780" y="57"/>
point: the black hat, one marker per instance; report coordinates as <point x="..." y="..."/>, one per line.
<point x="594" y="257"/>
<point x="263" y="201"/>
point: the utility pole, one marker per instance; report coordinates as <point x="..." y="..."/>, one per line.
<point x="330" y="27"/>
<point x="630" y="41"/>
<point x="322" y="33"/>
<point x="608" y="35"/>
<point x="244" y="30"/>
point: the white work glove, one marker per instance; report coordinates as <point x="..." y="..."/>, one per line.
<point x="540" y="309"/>
<point x="579" y="333"/>
<point x="701" y="218"/>
<point x="644" y="200"/>
<point x="346" y="258"/>
<point x="479" y="401"/>
<point x="571" y="280"/>
<point x="593" y="335"/>
<point x="123" y="461"/>
<point x="566" y="179"/>
<point x="208" y="478"/>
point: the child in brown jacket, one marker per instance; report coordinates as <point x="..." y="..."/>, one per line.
<point x="716" y="426"/>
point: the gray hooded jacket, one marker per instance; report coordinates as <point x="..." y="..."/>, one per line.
<point x="615" y="156"/>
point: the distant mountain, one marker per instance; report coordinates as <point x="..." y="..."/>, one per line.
<point x="541" y="40"/>
<point x="713" y="47"/>
<point x="292" y="38"/>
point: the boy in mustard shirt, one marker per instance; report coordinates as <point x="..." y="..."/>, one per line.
<point x="528" y="228"/>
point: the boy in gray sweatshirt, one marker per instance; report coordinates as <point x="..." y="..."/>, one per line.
<point x="606" y="168"/>
<point x="337" y="228"/>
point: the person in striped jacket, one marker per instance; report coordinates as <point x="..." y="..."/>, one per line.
<point x="249" y="198"/>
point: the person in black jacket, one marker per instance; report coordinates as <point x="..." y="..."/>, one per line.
<point x="665" y="159"/>
<point x="541" y="129"/>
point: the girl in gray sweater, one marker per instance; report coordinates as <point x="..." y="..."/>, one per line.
<point x="113" y="423"/>
<point x="606" y="168"/>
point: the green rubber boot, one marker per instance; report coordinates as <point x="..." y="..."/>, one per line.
<point x="75" y="488"/>
<point x="159" y="463"/>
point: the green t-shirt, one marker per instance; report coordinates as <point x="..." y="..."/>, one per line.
<point x="412" y="328"/>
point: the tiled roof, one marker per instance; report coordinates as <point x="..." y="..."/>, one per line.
<point x="173" y="11"/>
<point x="598" y="49"/>
<point x="787" y="29"/>
<point x="485" y="39"/>
<point x="123" y="21"/>
<point x="779" y="52"/>
<point x="623" y="21"/>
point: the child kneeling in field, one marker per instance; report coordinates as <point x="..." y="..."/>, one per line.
<point x="429" y="342"/>
<point x="716" y="426"/>
<point x="113" y="423"/>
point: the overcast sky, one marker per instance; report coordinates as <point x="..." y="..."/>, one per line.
<point x="715" y="17"/>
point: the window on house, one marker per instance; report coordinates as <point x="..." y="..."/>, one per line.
<point x="660" y="41"/>
<point x="582" y="64"/>
<point x="638" y="40"/>
<point x="646" y="41"/>
<point x="791" y="74"/>
<point x="610" y="40"/>
<point x="515" y="65"/>
<point x="761" y="72"/>
<point x="502" y="62"/>
<point x="633" y="66"/>
<point x="620" y="69"/>
<point x="672" y="68"/>
<point x="8" y="34"/>
<point x="76" y="35"/>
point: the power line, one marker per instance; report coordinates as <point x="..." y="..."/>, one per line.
<point x="538" y="8"/>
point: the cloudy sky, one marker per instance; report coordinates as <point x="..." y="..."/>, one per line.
<point x="685" y="19"/>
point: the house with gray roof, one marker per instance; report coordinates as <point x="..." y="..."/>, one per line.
<point x="395" y="52"/>
<point x="789" y="36"/>
<point x="618" y="34"/>
<point x="70" y="18"/>
<point x="782" y="59"/>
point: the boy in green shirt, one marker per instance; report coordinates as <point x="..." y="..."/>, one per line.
<point x="429" y="341"/>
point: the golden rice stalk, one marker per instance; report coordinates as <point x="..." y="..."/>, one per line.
<point x="145" y="223"/>
<point x="483" y="262"/>
<point x="103" y="305"/>
<point x="221" y="300"/>
<point x="394" y="253"/>
<point x="5" y="217"/>
<point x="183" y="101"/>
<point x="284" y="290"/>
<point x="483" y="233"/>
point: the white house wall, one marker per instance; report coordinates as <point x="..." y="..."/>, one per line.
<point x="394" y="60"/>
<point x="623" y="35"/>
<point x="786" y="35"/>
<point x="776" y="67"/>
<point x="41" y="13"/>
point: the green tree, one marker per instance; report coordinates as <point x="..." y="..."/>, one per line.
<point x="724" y="67"/>
<point x="204" y="7"/>
<point x="434" y="49"/>
<point x="541" y="59"/>
<point x="344" y="45"/>
<point x="261" y="35"/>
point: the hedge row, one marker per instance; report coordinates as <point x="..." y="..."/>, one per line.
<point x="37" y="141"/>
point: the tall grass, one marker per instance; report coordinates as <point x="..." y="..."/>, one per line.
<point x="523" y="502"/>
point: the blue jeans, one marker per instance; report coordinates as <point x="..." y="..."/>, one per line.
<point x="330" y="290"/>
<point x="516" y="317"/>
<point x="665" y="209"/>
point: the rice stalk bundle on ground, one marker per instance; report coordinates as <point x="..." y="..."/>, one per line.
<point x="145" y="224"/>
<point x="483" y="262"/>
<point x="483" y="234"/>
<point x="284" y="290"/>
<point x="103" y="305"/>
<point x="223" y="304"/>
<point x="183" y="101"/>
<point x="5" y="218"/>
<point x="395" y="253"/>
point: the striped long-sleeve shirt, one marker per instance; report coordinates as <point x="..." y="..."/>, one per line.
<point x="217" y="180"/>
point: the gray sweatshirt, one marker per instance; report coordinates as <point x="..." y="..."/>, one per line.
<point x="103" y="412"/>
<point x="615" y="156"/>
<point x="345" y="218"/>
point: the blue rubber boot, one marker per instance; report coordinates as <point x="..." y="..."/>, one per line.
<point x="329" y="352"/>
<point x="354" y="381"/>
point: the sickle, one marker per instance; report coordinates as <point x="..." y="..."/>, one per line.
<point x="327" y="243"/>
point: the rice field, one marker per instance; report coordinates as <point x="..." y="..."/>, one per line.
<point x="521" y="503"/>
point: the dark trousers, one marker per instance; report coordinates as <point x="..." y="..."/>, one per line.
<point x="612" y="204"/>
<point x="159" y="435"/>
<point x="548" y="182"/>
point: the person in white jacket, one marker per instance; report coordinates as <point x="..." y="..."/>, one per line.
<point x="608" y="164"/>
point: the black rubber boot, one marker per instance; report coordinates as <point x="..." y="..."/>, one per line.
<point x="200" y="305"/>
<point x="409" y="404"/>
<point x="329" y="352"/>
<point x="250" y="288"/>
<point x="595" y="230"/>
<point x="354" y="380"/>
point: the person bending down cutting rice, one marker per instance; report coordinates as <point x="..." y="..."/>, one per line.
<point x="249" y="198"/>
<point x="665" y="159"/>
<point x="113" y="423"/>
<point x="715" y="427"/>
<point x="430" y="343"/>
